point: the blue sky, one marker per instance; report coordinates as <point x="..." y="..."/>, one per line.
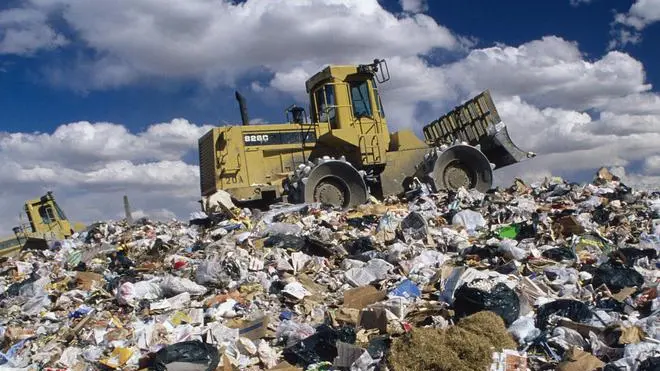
<point x="121" y="90"/>
<point x="30" y="102"/>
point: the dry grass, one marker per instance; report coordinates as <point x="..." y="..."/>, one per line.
<point x="468" y="346"/>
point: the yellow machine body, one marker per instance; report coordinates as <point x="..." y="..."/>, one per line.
<point x="347" y="125"/>
<point x="43" y="220"/>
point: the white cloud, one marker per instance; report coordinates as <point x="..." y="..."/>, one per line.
<point x="24" y="31"/>
<point x="641" y="14"/>
<point x="414" y="6"/>
<point x="90" y="166"/>
<point x="627" y="27"/>
<point x="578" y="113"/>
<point x="652" y="165"/>
<point x="216" y="41"/>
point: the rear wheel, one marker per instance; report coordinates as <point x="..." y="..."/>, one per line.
<point x="330" y="182"/>
<point x="332" y="191"/>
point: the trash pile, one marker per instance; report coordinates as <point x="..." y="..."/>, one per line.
<point x="553" y="275"/>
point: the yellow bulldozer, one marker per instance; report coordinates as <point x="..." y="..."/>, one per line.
<point x="342" y="152"/>
<point x="43" y="220"/>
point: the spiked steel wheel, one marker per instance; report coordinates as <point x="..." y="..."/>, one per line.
<point x="329" y="181"/>
<point x="331" y="191"/>
<point x="457" y="176"/>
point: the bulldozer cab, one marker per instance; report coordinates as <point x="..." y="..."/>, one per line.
<point x="45" y="219"/>
<point x="346" y="99"/>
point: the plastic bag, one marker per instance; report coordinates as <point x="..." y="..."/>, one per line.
<point x="193" y="352"/>
<point x="510" y="250"/>
<point x="573" y="309"/>
<point x="285" y="241"/>
<point x="292" y="332"/>
<point x="129" y="292"/>
<point x="387" y="226"/>
<point x="172" y="286"/>
<point x="501" y="300"/>
<point x="319" y="347"/>
<point x="282" y="229"/>
<point x="376" y="269"/>
<point x="209" y="271"/>
<point x="649" y="364"/>
<point x="35" y="305"/>
<point x="414" y="225"/>
<point x="616" y="276"/>
<point x="523" y="330"/>
<point x="406" y="289"/>
<point x="471" y="220"/>
<point x="559" y="254"/>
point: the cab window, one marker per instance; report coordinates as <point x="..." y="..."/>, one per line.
<point x="360" y="99"/>
<point x="326" y="105"/>
<point x="46" y="213"/>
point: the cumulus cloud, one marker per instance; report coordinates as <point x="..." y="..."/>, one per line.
<point x="216" y="41"/>
<point x="414" y="6"/>
<point x="90" y="166"/>
<point x="641" y="14"/>
<point x="23" y="31"/>
<point x="627" y="27"/>
<point x="578" y="114"/>
<point x="652" y="165"/>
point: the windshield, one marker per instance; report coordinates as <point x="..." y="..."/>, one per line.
<point x="360" y="99"/>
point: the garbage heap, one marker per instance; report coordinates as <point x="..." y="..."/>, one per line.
<point x="554" y="275"/>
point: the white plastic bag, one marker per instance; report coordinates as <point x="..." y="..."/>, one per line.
<point x="293" y="332"/>
<point x="523" y="330"/>
<point x="208" y="271"/>
<point x="172" y="285"/>
<point x="128" y="292"/>
<point x="510" y="250"/>
<point x="471" y="220"/>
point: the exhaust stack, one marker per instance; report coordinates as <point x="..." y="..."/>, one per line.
<point x="243" y="108"/>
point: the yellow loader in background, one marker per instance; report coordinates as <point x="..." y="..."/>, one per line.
<point x="347" y="152"/>
<point x="43" y="220"/>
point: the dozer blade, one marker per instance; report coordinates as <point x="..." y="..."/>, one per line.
<point x="336" y="183"/>
<point x="33" y="243"/>
<point x="500" y="149"/>
<point x="477" y="122"/>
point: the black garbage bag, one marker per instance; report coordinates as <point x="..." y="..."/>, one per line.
<point x="575" y="310"/>
<point x="601" y="215"/>
<point x="319" y="347"/>
<point x="501" y="300"/>
<point x="361" y="245"/>
<point x="285" y="241"/>
<point x="650" y="364"/>
<point x="610" y="305"/>
<point x="318" y="247"/>
<point x="362" y="222"/>
<point x="629" y="255"/>
<point x="559" y="253"/>
<point x="616" y="276"/>
<point x="15" y="288"/>
<point x="415" y="225"/>
<point x="194" y="353"/>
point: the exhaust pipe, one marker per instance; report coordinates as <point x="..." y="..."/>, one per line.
<point x="243" y="108"/>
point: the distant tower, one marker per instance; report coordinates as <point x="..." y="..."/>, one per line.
<point x="127" y="210"/>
